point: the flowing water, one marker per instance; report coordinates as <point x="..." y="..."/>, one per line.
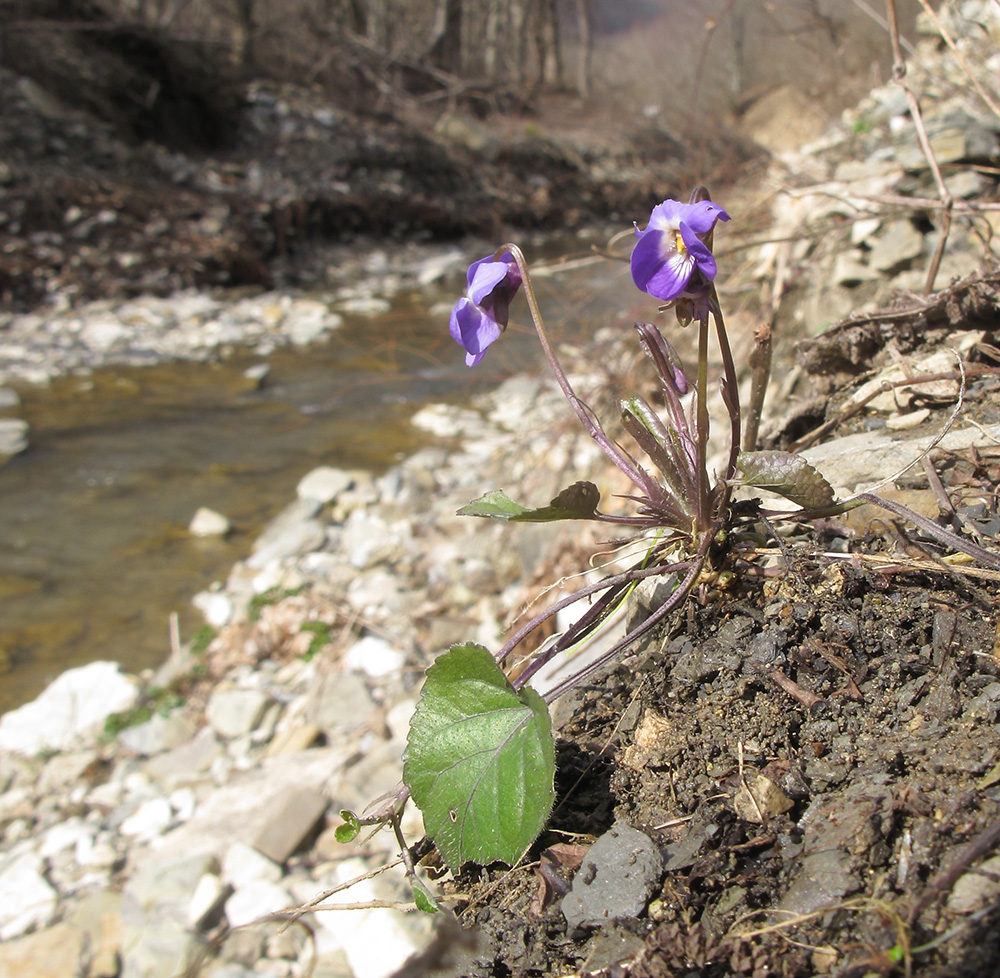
<point x="94" y="548"/>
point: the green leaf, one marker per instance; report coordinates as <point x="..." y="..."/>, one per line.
<point x="347" y="832"/>
<point x="577" y="502"/>
<point x="480" y="759"/>
<point x="422" y="897"/>
<point x="787" y="475"/>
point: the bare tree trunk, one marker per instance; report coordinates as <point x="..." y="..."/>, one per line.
<point x="517" y="21"/>
<point x="491" y="40"/>
<point x="586" y="30"/>
<point x="244" y="31"/>
<point x="550" y="62"/>
<point x="445" y="51"/>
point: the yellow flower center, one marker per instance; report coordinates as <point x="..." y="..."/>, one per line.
<point x="679" y="242"/>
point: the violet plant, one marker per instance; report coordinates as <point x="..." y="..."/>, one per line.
<point x="480" y="758"/>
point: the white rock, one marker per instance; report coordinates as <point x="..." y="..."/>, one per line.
<point x="243" y="865"/>
<point x="26" y="898"/>
<point x="208" y="523"/>
<point x="236" y="712"/>
<point x="207" y="898"/>
<point x="376" y="942"/>
<point x="71" y="709"/>
<point x="65" y="835"/>
<point x="183" y="802"/>
<point x="13" y="436"/>
<point x="216" y="607"/>
<point x="366" y="306"/>
<point x="255" y="900"/>
<point x="324" y="484"/>
<point x="308" y="321"/>
<point x="149" y="821"/>
<point x="374" y="657"/>
<point x="103" y="334"/>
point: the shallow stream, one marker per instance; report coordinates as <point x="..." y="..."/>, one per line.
<point x="94" y="548"/>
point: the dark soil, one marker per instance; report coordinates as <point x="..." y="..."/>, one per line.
<point x="814" y="750"/>
<point x="883" y="780"/>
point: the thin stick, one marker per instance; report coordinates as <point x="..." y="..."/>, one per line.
<point x="947" y="201"/>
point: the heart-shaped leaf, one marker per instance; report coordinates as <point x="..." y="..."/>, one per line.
<point x="787" y="475"/>
<point x="576" y="502"/>
<point x="480" y="759"/>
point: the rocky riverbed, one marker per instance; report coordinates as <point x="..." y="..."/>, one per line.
<point x="167" y="836"/>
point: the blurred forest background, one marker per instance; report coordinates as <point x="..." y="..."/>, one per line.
<point x="167" y="67"/>
<point x="209" y="141"/>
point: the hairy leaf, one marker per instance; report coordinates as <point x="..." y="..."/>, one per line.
<point x="787" y="475"/>
<point x="480" y="759"/>
<point x="577" y="502"/>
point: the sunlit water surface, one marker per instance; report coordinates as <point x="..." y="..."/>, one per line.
<point x="94" y="548"/>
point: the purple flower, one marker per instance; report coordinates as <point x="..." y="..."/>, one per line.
<point x="671" y="250"/>
<point x="478" y="319"/>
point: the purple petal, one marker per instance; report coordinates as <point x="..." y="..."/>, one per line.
<point x="661" y="271"/>
<point x="701" y="217"/>
<point x="699" y="252"/>
<point x="666" y="216"/>
<point x="473" y="330"/>
<point x="484" y="276"/>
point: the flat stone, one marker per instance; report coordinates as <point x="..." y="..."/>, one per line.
<point x="188" y="762"/>
<point x="98" y="915"/>
<point x="324" y="484"/>
<point x="242" y="864"/>
<point x="294" y="739"/>
<point x="156" y="903"/>
<point x="898" y="244"/>
<point x="71" y="709"/>
<point x="339" y="702"/>
<point x="616" y="879"/>
<point x="869" y="457"/>
<point x="26" y="898"/>
<point x="254" y="900"/>
<point x="243" y="810"/>
<point x="56" y="952"/>
<point x="157" y="734"/>
<point x="210" y="894"/>
<point x="977" y="888"/>
<point x="293" y="531"/>
<point x="150" y="820"/>
<point x="375" y="657"/>
<point x="236" y="712"/>
<point x="289" y="820"/>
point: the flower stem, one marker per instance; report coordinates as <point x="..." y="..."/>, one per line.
<point x="701" y="425"/>
<point x="593" y="427"/>
<point x="731" y="388"/>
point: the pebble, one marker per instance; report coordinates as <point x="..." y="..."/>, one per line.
<point x="236" y="712"/>
<point x="13" y="436"/>
<point x="208" y="523"/>
<point x="615" y="880"/>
